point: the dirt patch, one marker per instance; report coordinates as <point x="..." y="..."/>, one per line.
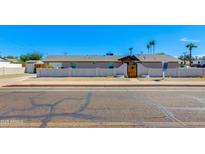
<point x="79" y="79"/>
<point x="11" y="76"/>
<point x="172" y="79"/>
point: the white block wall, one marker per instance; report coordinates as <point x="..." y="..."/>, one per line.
<point x="82" y="72"/>
<point x="9" y="65"/>
<point x="172" y="72"/>
<point x="7" y="70"/>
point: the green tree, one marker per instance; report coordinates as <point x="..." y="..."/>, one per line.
<point x="151" y="45"/>
<point x="148" y="48"/>
<point x="190" y="46"/>
<point x="161" y="53"/>
<point x="24" y="58"/>
<point x="32" y="56"/>
<point x="11" y="57"/>
<point x="184" y="57"/>
<point x="35" y="56"/>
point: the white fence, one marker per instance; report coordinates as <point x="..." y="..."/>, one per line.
<point x="82" y="72"/>
<point x="10" y="65"/>
<point x="10" y="70"/>
<point x="171" y="72"/>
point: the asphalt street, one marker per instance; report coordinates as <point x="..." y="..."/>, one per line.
<point x="102" y="107"/>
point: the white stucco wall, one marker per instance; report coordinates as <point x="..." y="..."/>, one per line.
<point x="10" y="70"/>
<point x="84" y="64"/>
<point x="56" y="65"/>
<point x="80" y="72"/>
<point x="170" y="72"/>
<point x="8" y="64"/>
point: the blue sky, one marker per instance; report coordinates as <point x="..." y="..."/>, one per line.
<point x="98" y="40"/>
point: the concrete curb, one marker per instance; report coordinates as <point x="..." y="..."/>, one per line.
<point x="110" y="85"/>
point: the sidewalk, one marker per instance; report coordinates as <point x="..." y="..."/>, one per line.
<point x="105" y="82"/>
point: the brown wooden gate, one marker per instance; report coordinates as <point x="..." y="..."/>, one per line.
<point x="132" y="71"/>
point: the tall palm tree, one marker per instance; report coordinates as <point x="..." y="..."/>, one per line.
<point x="152" y="43"/>
<point x="190" y="46"/>
<point x="148" y="47"/>
<point x="130" y="49"/>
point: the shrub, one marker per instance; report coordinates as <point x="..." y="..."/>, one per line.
<point x="50" y="66"/>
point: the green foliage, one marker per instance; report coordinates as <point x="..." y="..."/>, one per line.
<point x="190" y="46"/>
<point x="161" y="53"/>
<point x="50" y="66"/>
<point x="32" y="56"/>
<point x="184" y="57"/>
<point x="151" y="46"/>
<point x="24" y="58"/>
<point x="11" y="57"/>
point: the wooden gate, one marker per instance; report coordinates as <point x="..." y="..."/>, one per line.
<point x="132" y="71"/>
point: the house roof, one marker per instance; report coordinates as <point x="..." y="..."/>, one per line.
<point x="142" y="58"/>
<point x="35" y="61"/>
<point x="157" y="58"/>
<point x="82" y="58"/>
<point x="129" y="57"/>
<point x="3" y="60"/>
<point x="12" y="60"/>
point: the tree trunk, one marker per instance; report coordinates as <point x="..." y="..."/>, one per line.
<point x="153" y="49"/>
<point x="190" y="60"/>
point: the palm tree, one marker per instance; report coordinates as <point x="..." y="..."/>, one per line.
<point x="130" y="49"/>
<point x="148" y="47"/>
<point x="190" y="46"/>
<point x="152" y="43"/>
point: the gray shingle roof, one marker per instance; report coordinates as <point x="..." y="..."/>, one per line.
<point x="82" y="58"/>
<point x="143" y="58"/>
<point x="157" y="58"/>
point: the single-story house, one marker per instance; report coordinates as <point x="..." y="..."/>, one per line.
<point x="199" y="63"/>
<point x="155" y="61"/>
<point x="6" y="63"/>
<point x="83" y="61"/>
<point x="8" y="68"/>
<point x="108" y="61"/>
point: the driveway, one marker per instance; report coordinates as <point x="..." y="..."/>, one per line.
<point x="14" y="78"/>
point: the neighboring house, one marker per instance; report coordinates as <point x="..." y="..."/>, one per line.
<point x="83" y="61"/>
<point x="6" y="63"/>
<point x="30" y="65"/>
<point x="195" y="63"/>
<point x="199" y="63"/>
<point x="155" y="61"/>
<point x="8" y="68"/>
<point x="12" y="60"/>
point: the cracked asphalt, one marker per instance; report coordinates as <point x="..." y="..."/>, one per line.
<point x="102" y="107"/>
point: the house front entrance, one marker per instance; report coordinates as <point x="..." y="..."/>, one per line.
<point x="132" y="71"/>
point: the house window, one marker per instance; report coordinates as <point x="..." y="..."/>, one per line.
<point x="73" y="65"/>
<point x="110" y="65"/>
